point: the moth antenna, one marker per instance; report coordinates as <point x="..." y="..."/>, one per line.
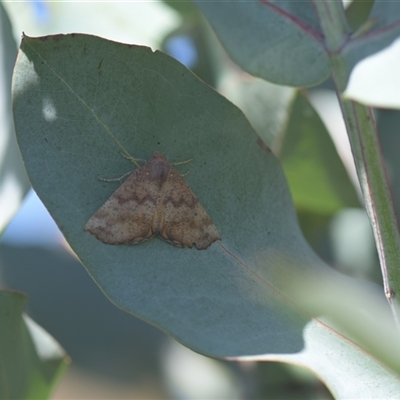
<point x="132" y="159"/>
<point x="185" y="174"/>
<point x="183" y="162"/>
<point x="115" y="179"/>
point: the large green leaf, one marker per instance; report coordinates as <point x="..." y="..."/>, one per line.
<point x="98" y="98"/>
<point x="79" y="101"/>
<point x="31" y="361"/>
<point x="13" y="180"/>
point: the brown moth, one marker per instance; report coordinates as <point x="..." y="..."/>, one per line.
<point x="154" y="199"/>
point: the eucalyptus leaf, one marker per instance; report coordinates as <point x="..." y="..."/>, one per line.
<point x="381" y="72"/>
<point x="380" y="29"/>
<point x="79" y="101"/>
<point x="274" y="40"/>
<point x="88" y="100"/>
<point x="282" y="41"/>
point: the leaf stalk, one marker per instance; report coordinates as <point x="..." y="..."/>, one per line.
<point x="364" y="141"/>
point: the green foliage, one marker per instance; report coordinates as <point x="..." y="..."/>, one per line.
<point x="244" y="300"/>
<point x="260" y="37"/>
<point x="30" y="360"/>
<point x="13" y="180"/>
<point x="317" y="178"/>
<point x="261" y="292"/>
<point x="283" y="42"/>
<point x="163" y="107"/>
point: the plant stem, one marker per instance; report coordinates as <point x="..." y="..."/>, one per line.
<point x="367" y="155"/>
<point x="373" y="180"/>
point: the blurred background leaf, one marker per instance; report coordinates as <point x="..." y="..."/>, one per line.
<point x="14" y="183"/>
<point x="272" y="31"/>
<point x="379" y="20"/>
<point x="317" y="178"/>
<point x="31" y="360"/>
<point x="380" y="30"/>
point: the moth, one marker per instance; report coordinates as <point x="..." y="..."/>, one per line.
<point x="154" y="200"/>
